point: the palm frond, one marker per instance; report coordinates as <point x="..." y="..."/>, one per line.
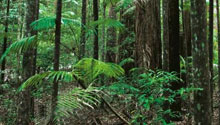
<point x="90" y="68"/>
<point x="49" y="23"/>
<point x="20" y="46"/>
<point x="52" y="75"/>
<point x="76" y="98"/>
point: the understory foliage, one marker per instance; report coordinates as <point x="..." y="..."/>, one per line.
<point x="146" y="94"/>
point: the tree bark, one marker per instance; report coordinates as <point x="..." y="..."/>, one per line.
<point x="202" y="100"/>
<point x="218" y="27"/>
<point x="211" y="10"/>
<point x="56" y="59"/>
<point x="96" y="36"/>
<point x="111" y="41"/>
<point x="83" y="28"/>
<point x="5" y="41"/>
<point x="24" y="110"/>
<point x="165" y="35"/>
<point x="148" y="40"/>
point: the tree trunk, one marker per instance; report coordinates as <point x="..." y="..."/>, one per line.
<point x="103" y="49"/>
<point x="202" y="104"/>
<point x="165" y="35"/>
<point x="24" y="110"/>
<point x="96" y="37"/>
<point x="111" y="43"/>
<point x="34" y="58"/>
<point x="5" y="41"/>
<point x="56" y="58"/>
<point x="174" y="45"/>
<point x="147" y="34"/>
<point x="218" y="27"/>
<point x="83" y="28"/>
<point x="211" y="9"/>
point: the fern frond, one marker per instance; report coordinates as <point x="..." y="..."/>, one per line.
<point x="49" y="22"/>
<point x="53" y="76"/>
<point x="108" y="23"/>
<point x="20" y="46"/>
<point x="125" y="61"/>
<point x="90" y="68"/>
<point x="76" y="98"/>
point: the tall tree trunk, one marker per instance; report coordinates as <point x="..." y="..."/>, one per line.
<point x="165" y="35"/>
<point x="103" y="49"/>
<point x="34" y="58"/>
<point x="5" y="41"/>
<point x="24" y="110"/>
<point x="200" y="63"/>
<point x="111" y="41"/>
<point x="96" y="37"/>
<point x="174" y="45"/>
<point x="211" y="9"/>
<point x="147" y="34"/>
<point x="83" y="28"/>
<point x="218" y="27"/>
<point x="56" y="58"/>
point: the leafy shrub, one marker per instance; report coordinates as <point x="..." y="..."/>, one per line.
<point x="146" y="93"/>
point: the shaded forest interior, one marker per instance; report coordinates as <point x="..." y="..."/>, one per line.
<point x="109" y="62"/>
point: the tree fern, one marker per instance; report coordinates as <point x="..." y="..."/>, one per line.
<point x="20" y="46"/>
<point x="107" y="22"/>
<point x="86" y="69"/>
<point x="90" y="68"/>
<point x="52" y="75"/>
<point x="76" y="98"/>
<point x="49" y="22"/>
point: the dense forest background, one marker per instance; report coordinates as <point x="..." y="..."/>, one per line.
<point x="109" y="62"/>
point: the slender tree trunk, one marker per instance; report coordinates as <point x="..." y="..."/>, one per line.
<point x="103" y="34"/>
<point x="211" y="9"/>
<point x="56" y="58"/>
<point x="165" y="35"/>
<point x="111" y="43"/>
<point x="4" y="46"/>
<point x="147" y="34"/>
<point x="24" y="111"/>
<point x="218" y="27"/>
<point x="96" y="37"/>
<point x="5" y="41"/>
<point x="83" y="28"/>
<point x="34" y="58"/>
<point x="202" y="99"/>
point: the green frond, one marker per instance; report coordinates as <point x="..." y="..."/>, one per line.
<point x="90" y="68"/>
<point x="108" y="23"/>
<point x="125" y="61"/>
<point x="49" y="22"/>
<point x="53" y="75"/>
<point x="20" y="46"/>
<point x="76" y="98"/>
<point x="123" y="4"/>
